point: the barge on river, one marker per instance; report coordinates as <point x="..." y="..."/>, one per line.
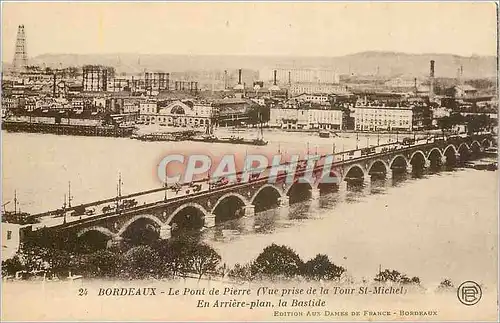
<point x="66" y="126"/>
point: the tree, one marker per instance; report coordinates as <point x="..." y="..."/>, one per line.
<point x="395" y="277"/>
<point x="446" y="285"/>
<point x="277" y="260"/>
<point x="11" y="266"/>
<point x="175" y="255"/>
<point x="320" y="267"/>
<point x="102" y="263"/>
<point x="204" y="259"/>
<point x="140" y="262"/>
<point x="241" y="272"/>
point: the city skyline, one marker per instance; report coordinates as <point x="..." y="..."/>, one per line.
<point x="254" y="29"/>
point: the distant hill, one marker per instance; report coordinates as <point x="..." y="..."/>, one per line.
<point x="389" y="64"/>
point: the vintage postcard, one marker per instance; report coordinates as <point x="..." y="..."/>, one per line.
<point x="249" y="161"/>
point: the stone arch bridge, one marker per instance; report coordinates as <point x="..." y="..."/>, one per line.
<point x="206" y="208"/>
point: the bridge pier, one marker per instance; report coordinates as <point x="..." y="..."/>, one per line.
<point x="409" y="168"/>
<point x="427" y="163"/>
<point x="249" y="210"/>
<point x="284" y="201"/>
<point x="315" y="193"/>
<point x="210" y="221"/>
<point x="165" y="232"/>
<point x="367" y="178"/>
<point x="114" y="242"/>
<point x="388" y="174"/>
<point x="343" y="185"/>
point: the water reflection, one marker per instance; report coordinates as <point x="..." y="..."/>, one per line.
<point x="269" y="221"/>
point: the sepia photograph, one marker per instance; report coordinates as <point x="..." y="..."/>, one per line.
<point x="249" y="161"/>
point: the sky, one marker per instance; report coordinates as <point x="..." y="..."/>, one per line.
<point x="298" y="29"/>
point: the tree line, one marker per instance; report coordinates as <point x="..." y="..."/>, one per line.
<point x="183" y="257"/>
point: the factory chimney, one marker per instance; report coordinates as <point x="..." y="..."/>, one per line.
<point x="289" y="78"/>
<point x="431" y="79"/>
<point x="274" y="82"/>
<point x="239" y="76"/>
<point x="416" y="87"/>
<point x="225" y="79"/>
<point x="54" y="84"/>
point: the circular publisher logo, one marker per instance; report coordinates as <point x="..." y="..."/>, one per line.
<point x="469" y="293"/>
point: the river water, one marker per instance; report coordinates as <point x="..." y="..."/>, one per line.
<point x="442" y="225"/>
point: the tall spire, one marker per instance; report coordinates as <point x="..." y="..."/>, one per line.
<point x="20" y="62"/>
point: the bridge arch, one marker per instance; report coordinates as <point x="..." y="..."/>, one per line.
<point x="183" y="206"/>
<point x="355" y="170"/>
<point x="266" y="197"/>
<point x="265" y="186"/>
<point x="398" y="159"/>
<point x="475" y="147"/>
<point x="464" y="151"/>
<point x="93" y="238"/>
<point x="417" y="152"/>
<point x="299" y="190"/>
<point x="433" y="151"/>
<point x="486" y="143"/>
<point x="475" y="143"/>
<point x="450" y="146"/>
<point x="418" y="161"/>
<point x="450" y="153"/>
<point x="150" y="217"/>
<point x="435" y="158"/>
<point x="188" y="216"/>
<point x="328" y="183"/>
<point x="229" y="206"/>
<point x="463" y="144"/>
<point x="378" y="164"/>
<point x="243" y="199"/>
<point x="102" y="230"/>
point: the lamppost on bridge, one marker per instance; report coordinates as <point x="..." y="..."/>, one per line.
<point x="367" y="140"/>
<point x="378" y="138"/>
<point x="70" y="198"/>
<point x="64" y="210"/>
<point x="357" y="140"/>
<point x="119" y="191"/>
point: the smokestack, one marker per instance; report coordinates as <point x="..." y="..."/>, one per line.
<point x="239" y="76"/>
<point x="431" y="87"/>
<point x="54" y="85"/>
<point x="416" y="88"/>
<point x="275" y="72"/>
<point x="225" y="79"/>
<point x="289" y="78"/>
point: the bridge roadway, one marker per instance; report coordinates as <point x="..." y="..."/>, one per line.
<point x="210" y="205"/>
